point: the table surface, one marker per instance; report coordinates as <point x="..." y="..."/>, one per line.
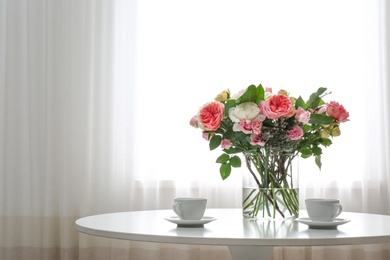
<point x="231" y="229"/>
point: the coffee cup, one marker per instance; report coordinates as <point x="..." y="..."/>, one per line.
<point x="323" y="209"/>
<point x="189" y="208"/>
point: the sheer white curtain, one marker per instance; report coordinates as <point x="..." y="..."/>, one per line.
<point x="81" y="134"/>
<point x="65" y="132"/>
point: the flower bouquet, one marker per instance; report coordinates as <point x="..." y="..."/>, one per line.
<point x="269" y="130"/>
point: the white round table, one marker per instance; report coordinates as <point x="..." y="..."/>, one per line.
<point x="246" y="239"/>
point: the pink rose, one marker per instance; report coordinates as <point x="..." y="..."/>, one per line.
<point x="194" y="122"/>
<point x="277" y="106"/>
<point x="337" y="112"/>
<point x="257" y="139"/>
<point x="295" y="133"/>
<point x="302" y="115"/>
<point x="226" y="144"/>
<point x="211" y="115"/>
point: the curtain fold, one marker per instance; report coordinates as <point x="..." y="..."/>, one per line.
<point x="96" y="97"/>
<point x="63" y="139"/>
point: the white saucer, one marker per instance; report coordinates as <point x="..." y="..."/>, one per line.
<point x="190" y="223"/>
<point x="323" y="224"/>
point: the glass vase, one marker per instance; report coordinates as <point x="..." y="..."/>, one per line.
<point x="270" y="185"/>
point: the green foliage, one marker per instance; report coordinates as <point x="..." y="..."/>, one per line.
<point x="227" y="162"/>
<point x="225" y="170"/>
<point x="320" y="119"/>
<point x="326" y="142"/>
<point x="215" y="141"/>
<point x="315" y="99"/>
<point x="318" y="161"/>
<point x="224" y="158"/>
<point x="250" y="95"/>
<point x="235" y="161"/>
<point x="317" y="151"/>
<point x="299" y="102"/>
<point x="306" y="152"/>
<point x="229" y="104"/>
<point x="260" y="94"/>
<point x="233" y="150"/>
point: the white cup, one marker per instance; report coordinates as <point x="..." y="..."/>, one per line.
<point x="190" y="208"/>
<point x="323" y="209"/>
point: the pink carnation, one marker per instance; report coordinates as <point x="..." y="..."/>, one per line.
<point x="295" y="133"/>
<point x="206" y="136"/>
<point x="337" y="112"/>
<point x="246" y="126"/>
<point x="226" y="144"/>
<point x="302" y="115"/>
<point x="257" y="139"/>
<point x="277" y="106"/>
<point x="256" y="126"/>
<point x="211" y="115"/>
<point x="321" y="109"/>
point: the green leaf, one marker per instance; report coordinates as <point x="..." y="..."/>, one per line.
<point x="221" y="129"/>
<point x="320" y="119"/>
<point x="318" y="161"/>
<point x="233" y="150"/>
<point x="260" y="94"/>
<point x="225" y="170"/>
<point x="240" y="136"/>
<point x="304" y="156"/>
<point x="299" y="102"/>
<point x="224" y="158"/>
<point x="235" y="161"/>
<point x="315" y="98"/>
<point x="250" y="95"/>
<point x="229" y="104"/>
<point x="326" y="142"/>
<point x="317" y="150"/>
<point x="215" y="141"/>
<point x="306" y="152"/>
<point x="306" y="128"/>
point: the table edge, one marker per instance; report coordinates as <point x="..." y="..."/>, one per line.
<point x="283" y="242"/>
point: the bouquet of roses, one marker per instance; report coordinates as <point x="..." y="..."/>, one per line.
<point x="256" y="119"/>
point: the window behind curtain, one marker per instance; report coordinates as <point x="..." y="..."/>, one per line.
<point x="189" y="51"/>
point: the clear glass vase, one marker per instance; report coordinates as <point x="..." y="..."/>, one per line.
<point x="270" y="185"/>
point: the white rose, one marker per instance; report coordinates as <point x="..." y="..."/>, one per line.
<point x="247" y="110"/>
